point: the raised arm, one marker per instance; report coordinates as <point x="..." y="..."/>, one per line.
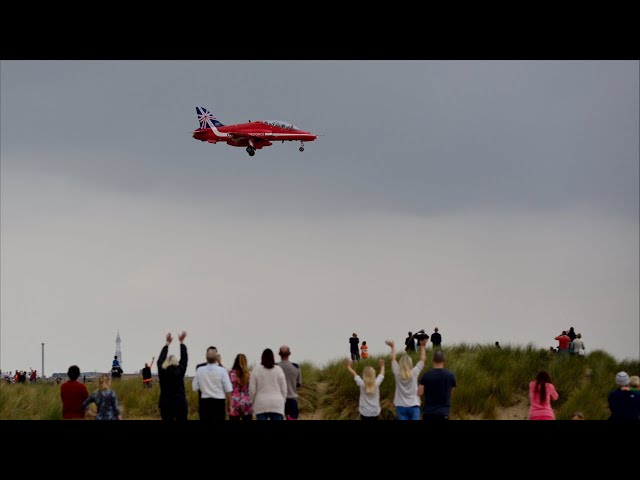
<point x="151" y="364"/>
<point x="348" y="364"/>
<point x="392" y="344"/>
<point x="423" y="351"/>
<point x="381" y="363"/>
<point x="184" y="358"/>
<point x="164" y="351"/>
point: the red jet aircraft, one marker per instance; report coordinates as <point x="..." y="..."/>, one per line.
<point x="253" y="135"/>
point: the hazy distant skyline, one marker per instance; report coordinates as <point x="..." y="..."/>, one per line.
<point x="496" y="200"/>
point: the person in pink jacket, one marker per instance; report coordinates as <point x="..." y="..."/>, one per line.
<point x="541" y="393"/>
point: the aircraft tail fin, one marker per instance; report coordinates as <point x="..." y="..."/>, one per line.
<point x="206" y="118"/>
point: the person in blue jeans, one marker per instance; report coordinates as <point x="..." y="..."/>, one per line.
<point x="437" y="386"/>
<point x="406" y="398"/>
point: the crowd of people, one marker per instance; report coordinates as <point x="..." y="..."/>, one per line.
<point x="436" y="386"/>
<point x="20" y="376"/>
<point x="569" y="343"/>
<point x="270" y="390"/>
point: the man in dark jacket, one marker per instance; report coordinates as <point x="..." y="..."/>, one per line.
<point x="173" y="401"/>
<point x="623" y="402"/>
<point x="436" y="338"/>
<point x="353" y="347"/>
<point x="147" y="377"/>
<point x="410" y="343"/>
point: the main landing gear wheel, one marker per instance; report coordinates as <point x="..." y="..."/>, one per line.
<point x="301" y="149"/>
<point x="251" y="151"/>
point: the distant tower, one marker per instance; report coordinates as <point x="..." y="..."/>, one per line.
<point x="118" y="349"/>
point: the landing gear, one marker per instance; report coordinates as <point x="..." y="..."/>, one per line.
<point x="251" y="151"/>
<point x="301" y="147"/>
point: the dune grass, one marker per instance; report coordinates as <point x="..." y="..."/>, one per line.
<point x="488" y="380"/>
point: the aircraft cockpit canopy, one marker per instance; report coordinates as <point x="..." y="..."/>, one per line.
<point x="278" y="123"/>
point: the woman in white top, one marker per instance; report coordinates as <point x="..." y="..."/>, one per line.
<point x="406" y="399"/>
<point x="369" y="384"/>
<point x="268" y="388"/>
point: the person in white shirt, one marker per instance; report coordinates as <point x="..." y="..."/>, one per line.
<point x="268" y="388"/>
<point x="369" y="406"/>
<point x="214" y="385"/>
<point x="578" y="345"/>
<point x="406" y="398"/>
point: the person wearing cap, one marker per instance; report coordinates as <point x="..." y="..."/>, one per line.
<point x="623" y="402"/>
<point x="293" y="374"/>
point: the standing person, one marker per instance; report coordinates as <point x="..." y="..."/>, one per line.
<point x="116" y="371"/>
<point x="268" y="388"/>
<point x="409" y="343"/>
<point x="73" y="394"/>
<point x="105" y="399"/>
<point x="541" y="394"/>
<point x="624" y="403"/>
<point x="498" y="345"/>
<point x="214" y="385"/>
<point x="571" y="334"/>
<point x="173" y="401"/>
<point x="437" y="385"/>
<point x="364" y="350"/>
<point x="240" y="407"/>
<point x="147" y="378"/>
<point x="634" y="383"/>
<point x="578" y="345"/>
<point x="369" y="384"/>
<point x="563" y="343"/>
<point x="293" y="374"/>
<point x="33" y="376"/>
<point x="436" y="338"/>
<point x="353" y="346"/>
<point x="406" y="398"/>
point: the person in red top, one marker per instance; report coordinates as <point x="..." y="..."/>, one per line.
<point x="563" y="343"/>
<point x="73" y="394"/>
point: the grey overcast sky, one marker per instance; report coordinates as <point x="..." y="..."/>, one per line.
<point x="496" y="200"/>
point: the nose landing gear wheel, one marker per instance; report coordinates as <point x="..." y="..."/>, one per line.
<point x="301" y="149"/>
<point x="251" y="151"/>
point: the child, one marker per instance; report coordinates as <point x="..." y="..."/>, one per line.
<point x="369" y="384"/>
<point x="105" y="399"/>
<point x="364" y="350"/>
